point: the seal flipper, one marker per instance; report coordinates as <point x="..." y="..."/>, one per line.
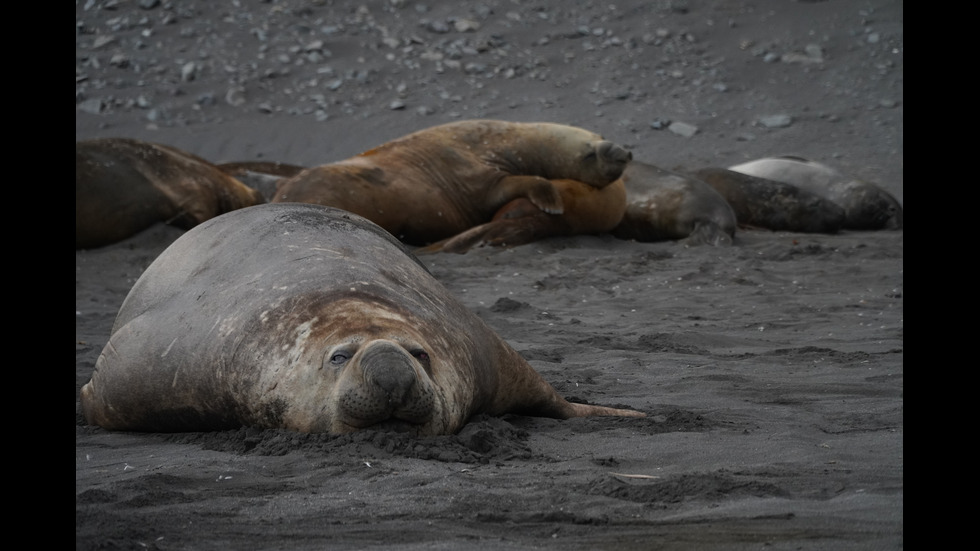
<point x="517" y="223"/>
<point x="522" y="390"/>
<point x="540" y="191"/>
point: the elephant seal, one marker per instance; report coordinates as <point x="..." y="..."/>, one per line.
<point x="440" y="181"/>
<point x="310" y="319"/>
<point x="763" y="203"/>
<point x="866" y="205"/>
<point x="587" y="211"/>
<point x="123" y="186"/>
<point x="664" y="206"/>
<point x="263" y="176"/>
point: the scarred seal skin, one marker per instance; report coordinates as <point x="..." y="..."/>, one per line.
<point x="310" y="319"/>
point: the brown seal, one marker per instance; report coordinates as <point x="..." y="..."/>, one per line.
<point x="263" y="176"/>
<point x="123" y="186"/>
<point x="587" y="211"/>
<point x="666" y="206"/>
<point x="306" y="318"/>
<point x="440" y="181"/>
<point x="866" y="205"/>
<point x="763" y="203"/>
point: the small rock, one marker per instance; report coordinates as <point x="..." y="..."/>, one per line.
<point x="466" y="25"/>
<point x="776" y="121"/>
<point x="101" y="41"/>
<point x="437" y="27"/>
<point x="188" y="71"/>
<point x="119" y="60"/>
<point x="235" y="96"/>
<point x="93" y="106"/>
<point x="683" y="129"/>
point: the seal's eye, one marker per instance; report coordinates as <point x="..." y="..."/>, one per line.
<point x="589" y="156"/>
<point x="422" y="356"/>
<point x="339" y="358"/>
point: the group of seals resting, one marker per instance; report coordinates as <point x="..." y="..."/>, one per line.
<point x="479" y="182"/>
<point x="423" y="187"/>
<point x="306" y="318"/>
<point x="301" y="316"/>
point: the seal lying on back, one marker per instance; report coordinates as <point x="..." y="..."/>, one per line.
<point x="866" y="206"/>
<point x="438" y="182"/>
<point x="763" y="203"/>
<point x="666" y="206"/>
<point x="306" y="318"/>
<point x="123" y="186"/>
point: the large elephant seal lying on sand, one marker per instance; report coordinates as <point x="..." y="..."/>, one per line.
<point x="866" y="206"/>
<point x="123" y="186"/>
<point x="438" y="182"/>
<point x="665" y="206"/>
<point x="310" y="319"/>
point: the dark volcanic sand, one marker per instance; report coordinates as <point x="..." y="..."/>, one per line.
<point x="772" y="370"/>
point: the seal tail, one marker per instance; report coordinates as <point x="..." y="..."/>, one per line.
<point x="588" y="410"/>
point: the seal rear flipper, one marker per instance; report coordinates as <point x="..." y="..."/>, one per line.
<point x="523" y="391"/>
<point x="589" y="410"/>
<point x="554" y="406"/>
<point x="506" y="232"/>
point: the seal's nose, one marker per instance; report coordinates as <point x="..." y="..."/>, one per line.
<point x="390" y="367"/>
<point x="614" y="153"/>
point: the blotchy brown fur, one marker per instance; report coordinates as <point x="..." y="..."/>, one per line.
<point x="123" y="186"/>
<point x="440" y="181"/>
<point x="588" y="210"/>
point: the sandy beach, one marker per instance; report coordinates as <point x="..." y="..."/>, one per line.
<point x="771" y="371"/>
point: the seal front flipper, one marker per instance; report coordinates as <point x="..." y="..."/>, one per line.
<point x="517" y="223"/>
<point x="539" y="191"/>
